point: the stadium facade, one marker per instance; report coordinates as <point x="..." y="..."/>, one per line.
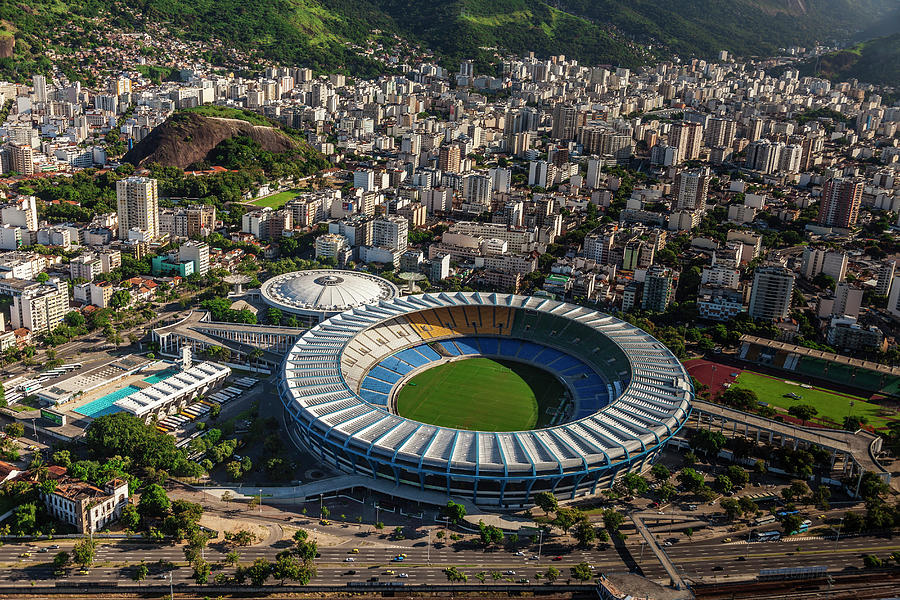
<point x="628" y="395"/>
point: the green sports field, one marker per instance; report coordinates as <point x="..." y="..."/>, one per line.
<point x="481" y="394"/>
<point x="275" y="201"/>
<point x="832" y="406"/>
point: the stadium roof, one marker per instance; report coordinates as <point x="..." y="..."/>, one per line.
<point x="328" y="291"/>
<point x="652" y="407"/>
<point x="820" y="354"/>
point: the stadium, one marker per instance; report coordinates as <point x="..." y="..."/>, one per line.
<point x="529" y="395"/>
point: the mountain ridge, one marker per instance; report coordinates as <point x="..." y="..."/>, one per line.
<point x="321" y="33"/>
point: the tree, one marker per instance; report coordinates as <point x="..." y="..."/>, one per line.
<point x="731" y="507"/>
<point x="61" y="560"/>
<point x="546" y="501"/>
<point x="489" y="534"/>
<point x="635" y="484"/>
<point x="287" y="566"/>
<point x="737" y="475"/>
<point x="141" y="572"/>
<point x="259" y="571"/>
<point x="872" y="487"/>
<point x="690" y="479"/>
<point x="582" y="572"/>
<point x="25" y="518"/>
<point x="666" y="492"/>
<point x="689" y="532"/>
<point x="305" y="548"/>
<point x="201" y="571"/>
<point x="854" y="422"/>
<point x="241" y="537"/>
<point x="552" y="574"/>
<point x="62" y="458"/>
<point x="454" y="512"/>
<point x="870" y="561"/>
<point x="791" y="524"/>
<point x="324" y="513"/>
<point x="154" y="502"/>
<point x="748" y="506"/>
<point x="455" y="575"/>
<point x="234" y="469"/>
<point x="232" y="558"/>
<point x="612" y="520"/>
<point x="15" y="430"/>
<point x="565" y="518"/>
<point x="660" y="472"/>
<point x="84" y="551"/>
<point x="723" y="484"/>
<point x="739" y="398"/>
<point x="804" y="412"/>
<point x="120" y="299"/>
<point x="584" y="531"/>
<point x="708" y="442"/>
<point x="131" y="518"/>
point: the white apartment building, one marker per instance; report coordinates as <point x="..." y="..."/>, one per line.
<point x="41" y="308"/>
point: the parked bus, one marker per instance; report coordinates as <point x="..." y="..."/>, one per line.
<point x="764" y="520"/>
<point x="766" y="536"/>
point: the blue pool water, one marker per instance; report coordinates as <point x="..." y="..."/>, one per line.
<point x="162" y="375"/>
<point x="107" y="404"/>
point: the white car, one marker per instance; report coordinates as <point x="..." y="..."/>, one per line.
<point x="510" y="572"/>
<point x="349" y="559"/>
<point x="403" y="575"/>
<point x="520" y="553"/>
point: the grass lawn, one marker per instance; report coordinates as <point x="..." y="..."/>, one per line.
<point x="830" y="405"/>
<point x="276" y="201"/>
<point x="481" y="394"/>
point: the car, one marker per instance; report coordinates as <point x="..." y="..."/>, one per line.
<point x="523" y="580"/>
<point x="654" y="504"/>
<point x="399" y="559"/>
<point x="161" y="577"/>
<point x="42" y="550"/>
<point x="354" y="551"/>
<point x="84" y="572"/>
<point x="717" y="568"/>
<point x="520" y="553"/>
<point x="324" y="522"/>
<point x="742" y="558"/>
<point x="350" y="572"/>
<point x="402" y="554"/>
<point x="535" y="557"/>
<point x="403" y="575"/>
<point x="349" y="559"/>
<point x="510" y="572"/>
<point x="54" y="547"/>
<point x="667" y="544"/>
<point x="558" y="558"/>
<point x="389" y="572"/>
<point x="25" y="555"/>
<point x="726" y="540"/>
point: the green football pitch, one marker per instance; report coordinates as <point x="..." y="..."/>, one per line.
<point x="831" y="405"/>
<point x="481" y="394"/>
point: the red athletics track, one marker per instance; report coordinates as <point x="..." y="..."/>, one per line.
<point x="711" y="374"/>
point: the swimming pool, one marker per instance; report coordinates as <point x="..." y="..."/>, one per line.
<point x="162" y="375"/>
<point x="107" y="404"/>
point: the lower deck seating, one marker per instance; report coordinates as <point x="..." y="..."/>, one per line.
<point x="591" y="391"/>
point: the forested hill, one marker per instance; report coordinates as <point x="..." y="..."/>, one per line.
<point x="320" y="33"/>
<point x="876" y="61"/>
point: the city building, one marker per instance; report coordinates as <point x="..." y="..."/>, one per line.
<point x="659" y="288"/>
<point x="770" y="296"/>
<point x="88" y="508"/>
<point x="41" y="307"/>
<point x="138" y="206"/>
<point x="839" y="205"/>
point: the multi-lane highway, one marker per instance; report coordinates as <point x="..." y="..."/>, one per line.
<point x="708" y="560"/>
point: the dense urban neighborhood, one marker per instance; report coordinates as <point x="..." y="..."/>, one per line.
<point x="509" y="323"/>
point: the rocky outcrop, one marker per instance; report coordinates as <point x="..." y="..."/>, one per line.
<point x="187" y="138"/>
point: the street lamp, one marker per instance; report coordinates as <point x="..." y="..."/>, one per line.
<point x="838" y="535"/>
<point x="540" y="542"/>
<point x="171" y="589"/>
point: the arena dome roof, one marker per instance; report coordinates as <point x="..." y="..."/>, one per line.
<point x="325" y="292"/>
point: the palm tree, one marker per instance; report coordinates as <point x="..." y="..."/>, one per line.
<point x="254" y="356"/>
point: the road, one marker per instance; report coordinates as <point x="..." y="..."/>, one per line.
<point x="424" y="565"/>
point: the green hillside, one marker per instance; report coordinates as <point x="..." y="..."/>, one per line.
<point x="876" y="61"/>
<point x="318" y="33"/>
